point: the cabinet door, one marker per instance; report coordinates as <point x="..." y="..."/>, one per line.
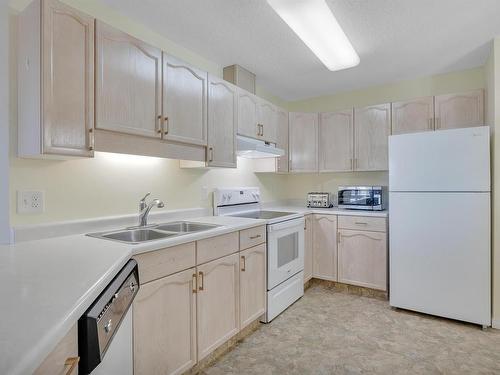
<point x="247" y="114"/>
<point x="336" y="141"/>
<point x="372" y="126"/>
<point x="412" y="116"/>
<point x="303" y="142"/>
<point x="63" y="360"/>
<point x="308" y="247"/>
<point x="184" y="102"/>
<point x="282" y="140"/>
<point x="325" y="247"/>
<point x="460" y="110"/>
<point x="128" y="83"/>
<point x="267" y="118"/>
<point x="252" y="284"/>
<point x="68" y="80"/>
<point x="218" y="303"/>
<point x="165" y="325"/>
<point x="222" y="123"/>
<point x="363" y="258"/>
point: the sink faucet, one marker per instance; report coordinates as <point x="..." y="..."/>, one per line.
<point x="144" y="209"/>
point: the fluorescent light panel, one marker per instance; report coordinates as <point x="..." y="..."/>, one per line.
<point x="315" y="24"/>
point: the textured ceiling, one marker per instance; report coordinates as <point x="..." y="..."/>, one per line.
<point x="395" y="39"/>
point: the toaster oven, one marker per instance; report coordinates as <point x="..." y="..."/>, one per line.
<point x="320" y="200"/>
<point x="372" y="198"/>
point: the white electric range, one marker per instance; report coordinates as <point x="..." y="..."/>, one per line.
<point x="285" y="245"/>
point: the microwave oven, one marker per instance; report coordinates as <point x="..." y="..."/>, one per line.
<point x="372" y="198"/>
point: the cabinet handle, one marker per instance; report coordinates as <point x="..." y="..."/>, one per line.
<point x="360" y="223"/>
<point x="255" y="237"/>
<point x="71" y="362"/>
<point x="262" y="130"/>
<point x="159" y="125"/>
<point x="305" y="224"/>
<point x="201" y="280"/>
<point x="210" y="154"/>
<point x="195" y="283"/>
<point x="244" y="261"/>
<point x="165" y="131"/>
<point x="91" y="139"/>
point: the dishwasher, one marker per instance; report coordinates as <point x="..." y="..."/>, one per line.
<point x="105" y="329"/>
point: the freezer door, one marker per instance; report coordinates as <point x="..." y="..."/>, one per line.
<point x="446" y="160"/>
<point x="440" y="254"/>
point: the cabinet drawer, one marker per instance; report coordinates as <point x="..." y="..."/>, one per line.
<point x="252" y="237"/>
<point x="376" y="224"/>
<point x="64" y="358"/>
<point x="164" y="262"/>
<point x="216" y="247"/>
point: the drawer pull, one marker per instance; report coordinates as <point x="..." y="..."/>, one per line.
<point x="255" y="237"/>
<point x="360" y="223"/>
<point x="71" y="362"/>
<point x="195" y="282"/>
<point x="244" y="262"/>
<point x="201" y="281"/>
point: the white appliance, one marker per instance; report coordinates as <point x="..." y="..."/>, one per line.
<point x="439" y="223"/>
<point x="256" y="149"/>
<point x="285" y="245"/>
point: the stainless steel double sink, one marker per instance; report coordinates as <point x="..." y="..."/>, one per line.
<point x="154" y="232"/>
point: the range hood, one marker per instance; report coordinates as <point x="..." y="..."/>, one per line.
<point x="255" y="149"/>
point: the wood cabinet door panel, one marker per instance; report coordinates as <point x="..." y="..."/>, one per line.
<point x="60" y="360"/>
<point x="308" y="247"/>
<point x="222" y="123"/>
<point x="282" y="140"/>
<point x="266" y="117"/>
<point x="412" y="116"/>
<point x="363" y="258"/>
<point x="252" y="284"/>
<point x="303" y="137"/>
<point x="460" y="110"/>
<point x="184" y="102"/>
<point x="68" y="80"/>
<point x="164" y="315"/>
<point x="218" y="303"/>
<point x="325" y="247"/>
<point x="372" y="127"/>
<point x="247" y="114"/>
<point x="336" y="141"/>
<point x="128" y="84"/>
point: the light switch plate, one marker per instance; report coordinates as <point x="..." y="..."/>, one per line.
<point x="30" y="201"/>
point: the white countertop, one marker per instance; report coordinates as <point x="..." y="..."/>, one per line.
<point x="330" y="211"/>
<point x="48" y="284"/>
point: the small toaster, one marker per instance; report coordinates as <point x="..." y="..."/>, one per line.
<point x="320" y="200"/>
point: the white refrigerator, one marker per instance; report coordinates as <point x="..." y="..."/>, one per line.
<point x="439" y="223"/>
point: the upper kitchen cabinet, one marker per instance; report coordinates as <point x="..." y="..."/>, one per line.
<point x="371" y="132"/>
<point x="184" y="102"/>
<point x="282" y="140"/>
<point x="222" y="123"/>
<point x="303" y="138"/>
<point x="336" y="141"/>
<point x="412" y="116"/>
<point x="267" y="121"/>
<point x="459" y="110"/>
<point x="56" y="81"/>
<point x="128" y="84"/>
<point x="247" y="114"/>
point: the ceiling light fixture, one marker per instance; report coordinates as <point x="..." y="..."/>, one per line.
<point x="315" y="24"/>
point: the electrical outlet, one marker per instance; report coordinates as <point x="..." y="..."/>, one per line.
<point x="30" y="202"/>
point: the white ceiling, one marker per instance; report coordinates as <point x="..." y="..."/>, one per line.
<point x="395" y="39"/>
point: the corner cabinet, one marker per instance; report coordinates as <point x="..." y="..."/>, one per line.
<point x="253" y="285"/>
<point x="325" y="247"/>
<point x="184" y="102"/>
<point x="222" y="123"/>
<point x="128" y="84"/>
<point x="56" y="81"/>
<point x="336" y="144"/>
<point x="460" y="110"/>
<point x="412" y="116"/>
<point x="303" y="138"/>
<point x="247" y="114"/>
<point x="371" y="134"/>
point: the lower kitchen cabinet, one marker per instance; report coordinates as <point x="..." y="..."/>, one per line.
<point x="252" y="284"/>
<point x="165" y="325"/>
<point x="325" y="247"/>
<point x="218" y="303"/>
<point x="64" y="358"/>
<point x="362" y="258"/>
<point x="308" y="247"/>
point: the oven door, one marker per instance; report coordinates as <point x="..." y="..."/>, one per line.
<point x="285" y="250"/>
<point x="360" y="198"/>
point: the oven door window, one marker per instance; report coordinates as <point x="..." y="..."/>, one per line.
<point x="356" y="197"/>
<point x="288" y="249"/>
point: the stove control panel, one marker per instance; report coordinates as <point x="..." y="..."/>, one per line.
<point x="229" y="197"/>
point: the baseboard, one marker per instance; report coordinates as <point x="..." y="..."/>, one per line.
<point x="351" y="289"/>
<point x="495" y="323"/>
